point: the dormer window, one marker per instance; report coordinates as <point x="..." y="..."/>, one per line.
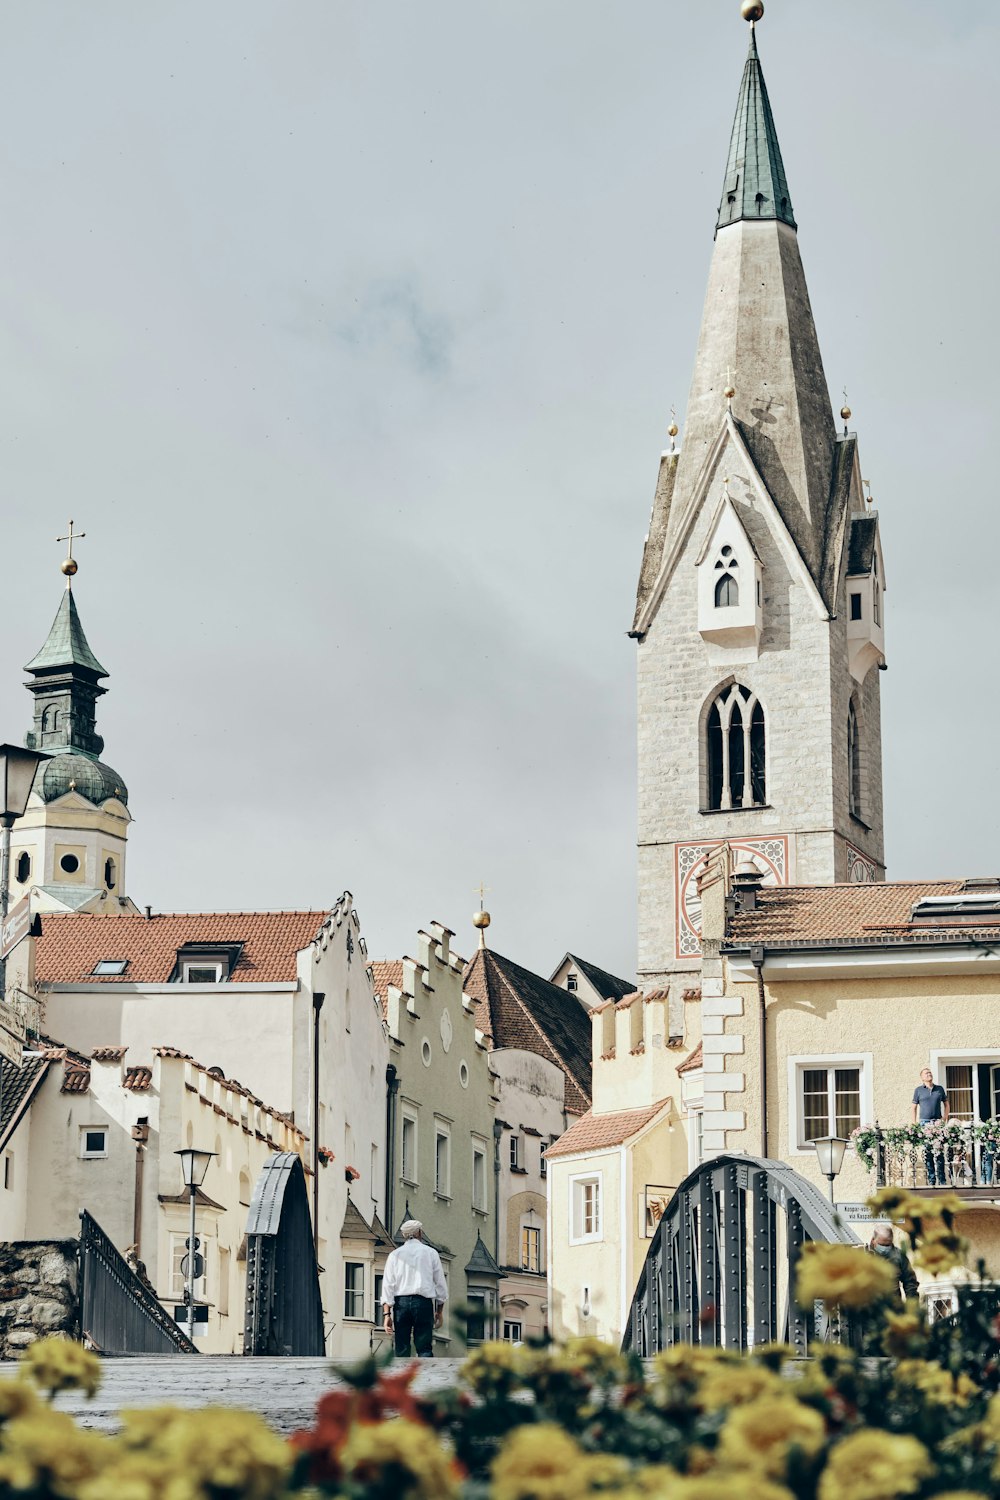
<point x="206" y="963"/>
<point x="729" y="585"/>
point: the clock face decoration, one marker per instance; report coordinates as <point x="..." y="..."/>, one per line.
<point x="861" y="870"/>
<point x="769" y="855"/>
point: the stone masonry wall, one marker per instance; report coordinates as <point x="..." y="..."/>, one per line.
<point x="39" y="1292"/>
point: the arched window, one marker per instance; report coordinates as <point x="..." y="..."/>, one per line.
<point x="737" y="750"/>
<point x="854" y="759"/>
<point x="727" y="590"/>
<point x="23" y="867"/>
<point x="50" y="720"/>
<point x="110" y="874"/>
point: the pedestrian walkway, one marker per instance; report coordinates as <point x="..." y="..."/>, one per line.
<point x="283" y="1391"/>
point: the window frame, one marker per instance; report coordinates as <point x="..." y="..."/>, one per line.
<point x="527" y="1231"/>
<point x="577" y="1182"/>
<point x="479" y="1202"/>
<point x="353" y="1292"/>
<point x="110" y="966"/>
<point x="509" y="1324"/>
<point x="800" y="1063"/>
<point x="409" y="1116"/>
<point x="85" y="1153"/>
<point x="442" y="1132"/>
<point x="189" y="964"/>
<point x="516" y="1164"/>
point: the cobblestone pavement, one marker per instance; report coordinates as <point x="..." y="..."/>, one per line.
<point x="284" y="1391"/>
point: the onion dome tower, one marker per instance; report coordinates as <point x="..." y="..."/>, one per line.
<point x="69" y="848"/>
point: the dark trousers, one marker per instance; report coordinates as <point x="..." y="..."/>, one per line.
<point x="934" y="1165"/>
<point x="413" y="1317"/>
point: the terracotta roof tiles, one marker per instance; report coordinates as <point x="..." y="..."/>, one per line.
<point x="690" y="1064"/>
<point x="138" y="1078"/>
<point x="72" y="944"/>
<point x="827" y="913"/>
<point x="386" y="972"/>
<point x="108" y="1054"/>
<point x="597" y="1132"/>
<point x="75" y="1080"/>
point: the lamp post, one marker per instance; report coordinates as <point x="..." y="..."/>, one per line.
<point x="830" y="1155"/>
<point x="17" y="775"/>
<point x="194" y="1165"/>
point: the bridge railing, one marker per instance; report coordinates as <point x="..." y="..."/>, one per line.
<point x="720" y="1269"/>
<point x="118" y="1312"/>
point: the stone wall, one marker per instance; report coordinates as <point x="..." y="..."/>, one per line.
<point x="39" y="1292"/>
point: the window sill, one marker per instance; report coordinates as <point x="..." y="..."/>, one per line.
<point x="715" y="812"/>
<point x="592" y="1239"/>
<point x="861" y="822"/>
<point x="441" y="1197"/>
<point x="409" y="1182"/>
<point x="483" y="1213"/>
<point x="356" y="1318"/>
<point x="520" y="1171"/>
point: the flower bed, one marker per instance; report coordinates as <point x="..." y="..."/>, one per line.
<point x="559" y="1423"/>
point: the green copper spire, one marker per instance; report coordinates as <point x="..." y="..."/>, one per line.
<point x="755" y="186"/>
<point x="66" y="684"/>
<point x="66" y="645"/>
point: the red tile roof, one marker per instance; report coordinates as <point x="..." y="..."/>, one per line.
<point x="108" y="1054"/>
<point x="799" y="913"/>
<point x="516" y="1008"/>
<point x="596" y="1132"/>
<point x="386" y="971"/>
<point x="137" y="1078"/>
<point x="72" y="944"/>
<point x="75" y="1080"/>
<point x="691" y="1063"/>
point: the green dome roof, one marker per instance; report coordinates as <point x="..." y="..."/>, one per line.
<point x="79" y="773"/>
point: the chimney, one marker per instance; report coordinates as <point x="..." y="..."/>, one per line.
<point x="747" y="880"/>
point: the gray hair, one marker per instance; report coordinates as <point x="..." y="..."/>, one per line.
<point x="410" y="1229"/>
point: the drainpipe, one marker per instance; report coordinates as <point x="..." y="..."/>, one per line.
<point x="497" y="1133"/>
<point x="318" y="998"/>
<point x="757" y="959"/>
<point x="391" y="1090"/>
<point x="140" y="1133"/>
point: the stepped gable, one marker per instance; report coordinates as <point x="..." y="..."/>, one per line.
<point x="73" y="944"/>
<point x="386" y="972"/>
<point x="516" y="1008"/>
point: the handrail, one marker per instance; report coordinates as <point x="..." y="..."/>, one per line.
<point x="118" y="1312"/>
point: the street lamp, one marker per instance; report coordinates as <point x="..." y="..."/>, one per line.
<point x="194" y="1165"/>
<point x="17" y="775"/>
<point x="830" y="1155"/>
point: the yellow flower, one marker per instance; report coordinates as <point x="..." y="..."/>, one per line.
<point x="213" y="1445"/>
<point x="538" y="1463"/>
<point x="47" y="1452"/>
<point x="843" y="1276"/>
<point x="57" y="1364"/>
<point x="495" y="1366"/>
<point x="17" y="1399"/>
<point x="892" y="1202"/>
<point x="874" y="1465"/>
<point x="940" y="1251"/>
<point x="936" y="1383"/>
<point x="904" y="1330"/>
<point x="742" y="1485"/>
<point x="591" y="1357"/>
<point x="732" y="1385"/>
<point x="404" y="1451"/>
<point x="762" y="1434"/>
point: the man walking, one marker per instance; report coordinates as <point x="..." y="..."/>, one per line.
<point x="413" y="1292"/>
<point x="930" y="1104"/>
<point x="883" y="1245"/>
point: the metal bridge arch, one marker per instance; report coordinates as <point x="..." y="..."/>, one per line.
<point x="284" y="1310"/>
<point x="721" y="1265"/>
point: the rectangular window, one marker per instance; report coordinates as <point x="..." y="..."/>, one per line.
<point x="8" y="1171"/>
<point x="571" y="984"/>
<point x="93" y="1141"/>
<point x="409" y="1163"/>
<point x="479" y="1177"/>
<point x="178" y="1275"/>
<point x="531" y="1248"/>
<point x="958" y="1086"/>
<point x="354" y="1289"/>
<point x="378" y="1296"/>
<point x="829" y="1102"/>
<point x="202" y="973"/>
<point x="585" y="1209"/>
<point x="223" y="1283"/>
<point x="515" y="1151"/>
<point x="855" y="606"/>
<point x="442" y="1162"/>
<point x="110" y="966"/>
<point x="543" y="1165"/>
<point x="475" y="1328"/>
<point x="511" y="1333"/>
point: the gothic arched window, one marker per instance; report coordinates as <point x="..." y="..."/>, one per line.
<point x="737" y="750"/>
<point x="23" y="867"/>
<point x="854" y="759"/>
<point x="727" y="589"/>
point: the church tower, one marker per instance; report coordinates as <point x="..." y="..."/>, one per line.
<point x="69" y="848"/>
<point x="760" y="610"/>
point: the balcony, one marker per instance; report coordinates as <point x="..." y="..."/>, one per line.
<point x="961" y="1157"/>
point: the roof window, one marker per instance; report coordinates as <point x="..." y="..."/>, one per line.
<point x="110" y="966"/>
<point x="206" y="963"/>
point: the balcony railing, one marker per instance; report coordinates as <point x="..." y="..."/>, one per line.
<point x="959" y="1156"/>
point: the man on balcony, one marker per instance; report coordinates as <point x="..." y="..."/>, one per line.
<point x="930" y="1104"/>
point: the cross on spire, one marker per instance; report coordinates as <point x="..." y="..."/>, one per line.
<point x="70" y="565"/>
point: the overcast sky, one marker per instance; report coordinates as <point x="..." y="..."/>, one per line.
<point x="349" y="334"/>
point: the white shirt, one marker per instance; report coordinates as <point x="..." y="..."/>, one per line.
<point x="414" y="1270"/>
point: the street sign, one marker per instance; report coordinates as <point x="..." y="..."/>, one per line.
<point x="199" y="1265"/>
<point x="16" y="927"/>
<point x="10" y="1045"/>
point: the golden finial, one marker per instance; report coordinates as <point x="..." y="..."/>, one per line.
<point x="730" y="390"/>
<point x="672" y="430"/>
<point x="845" y="411"/>
<point x="752" y="11"/>
<point x="69" y="565"/>
<point x="481" y="919"/>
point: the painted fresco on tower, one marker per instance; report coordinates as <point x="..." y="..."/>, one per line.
<point x="770" y="856"/>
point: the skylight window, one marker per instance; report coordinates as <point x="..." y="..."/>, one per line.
<point x="111" y="966"/>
